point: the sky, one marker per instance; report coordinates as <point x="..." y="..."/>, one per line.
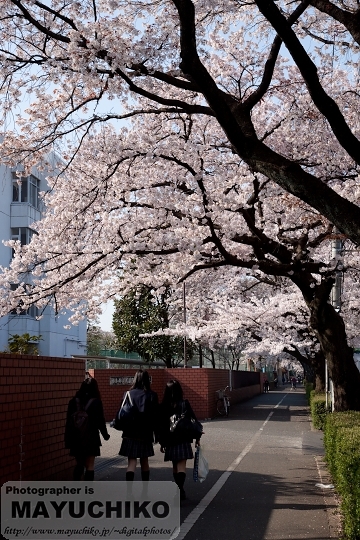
<point x="105" y="320"/>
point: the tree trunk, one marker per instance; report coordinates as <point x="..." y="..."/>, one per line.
<point x="313" y="366"/>
<point x="168" y="362"/>
<point x="200" y="356"/>
<point x="319" y="386"/>
<point x="331" y="333"/>
<point x="318" y="363"/>
<point x="309" y="373"/>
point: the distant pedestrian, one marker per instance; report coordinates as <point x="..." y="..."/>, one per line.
<point x="176" y="445"/>
<point x="283" y="380"/>
<point x="266" y="385"/>
<point x="84" y="443"/>
<point x="275" y="382"/>
<point x="137" y="440"/>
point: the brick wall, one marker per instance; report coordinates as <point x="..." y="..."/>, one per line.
<point x="218" y="379"/>
<point x="34" y="394"/>
<point x="112" y="394"/>
<point x="199" y="386"/>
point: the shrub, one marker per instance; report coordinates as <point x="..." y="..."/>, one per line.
<point x="24" y="344"/>
<point x="342" y="446"/>
<point x="318" y="409"/>
<point x="333" y="423"/>
<point x="309" y="388"/>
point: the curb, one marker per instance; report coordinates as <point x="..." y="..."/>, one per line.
<point x="331" y="499"/>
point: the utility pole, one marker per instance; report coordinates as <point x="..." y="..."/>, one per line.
<point x="336" y="251"/>
<point x="337" y="247"/>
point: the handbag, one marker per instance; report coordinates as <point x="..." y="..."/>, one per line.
<point x="201" y="466"/>
<point x="185" y="426"/>
<point x="125" y="415"/>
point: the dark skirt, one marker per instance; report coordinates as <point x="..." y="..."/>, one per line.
<point x="84" y="453"/>
<point x="178" y="452"/>
<point x="134" y="448"/>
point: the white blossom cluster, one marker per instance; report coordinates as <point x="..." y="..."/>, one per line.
<point x="153" y="189"/>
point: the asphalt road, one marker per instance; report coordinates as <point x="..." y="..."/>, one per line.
<point x="265" y="461"/>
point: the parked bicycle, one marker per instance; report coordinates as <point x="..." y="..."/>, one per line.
<point x="223" y="402"/>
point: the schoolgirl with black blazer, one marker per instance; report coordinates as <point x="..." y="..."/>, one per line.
<point x="138" y="439"/>
<point x="85" y="449"/>
<point x="175" y="445"/>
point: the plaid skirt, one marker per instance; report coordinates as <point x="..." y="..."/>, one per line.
<point x="178" y="452"/>
<point x="134" y="448"/>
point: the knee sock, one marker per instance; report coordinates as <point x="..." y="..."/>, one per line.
<point x="89" y="475"/>
<point x="180" y="480"/>
<point x="176" y="479"/>
<point x="130" y="476"/>
<point x="145" y="475"/>
<point x="78" y="472"/>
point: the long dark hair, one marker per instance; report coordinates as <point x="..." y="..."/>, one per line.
<point x="173" y="394"/>
<point x="141" y="380"/>
<point x="89" y="389"/>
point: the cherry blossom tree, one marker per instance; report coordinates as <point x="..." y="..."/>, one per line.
<point x="233" y="158"/>
<point x="190" y="58"/>
<point x="176" y="223"/>
<point x="256" y="318"/>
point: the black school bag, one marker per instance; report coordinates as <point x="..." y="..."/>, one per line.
<point x="126" y="415"/>
<point x="81" y="421"/>
<point x="184" y="425"/>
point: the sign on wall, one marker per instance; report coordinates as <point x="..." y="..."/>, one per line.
<point x="125" y="381"/>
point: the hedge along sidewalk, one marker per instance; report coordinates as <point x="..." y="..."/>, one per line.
<point x="342" y="454"/>
<point x="318" y="409"/>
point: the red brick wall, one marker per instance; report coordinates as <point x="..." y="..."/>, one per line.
<point x="242" y="394"/>
<point x="194" y="383"/>
<point x="199" y="386"/>
<point x="34" y="394"/>
<point x="218" y="380"/>
<point x="112" y="395"/>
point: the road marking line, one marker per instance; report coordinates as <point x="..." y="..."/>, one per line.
<point x="211" y="494"/>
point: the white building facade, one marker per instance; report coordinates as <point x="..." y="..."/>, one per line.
<point x="20" y="206"/>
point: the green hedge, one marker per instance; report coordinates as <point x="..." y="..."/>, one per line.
<point x="309" y="387"/>
<point x="318" y="409"/>
<point x="333" y="423"/>
<point x="342" y="448"/>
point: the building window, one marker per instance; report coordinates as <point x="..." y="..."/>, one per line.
<point x="23" y="234"/>
<point x="32" y="311"/>
<point x="26" y="189"/>
<point x="33" y="184"/>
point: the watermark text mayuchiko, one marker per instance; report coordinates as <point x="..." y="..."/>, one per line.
<point x="115" y="510"/>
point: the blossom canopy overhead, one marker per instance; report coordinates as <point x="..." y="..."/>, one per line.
<point x="194" y="136"/>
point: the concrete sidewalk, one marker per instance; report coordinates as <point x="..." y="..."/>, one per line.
<point x="265" y="463"/>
